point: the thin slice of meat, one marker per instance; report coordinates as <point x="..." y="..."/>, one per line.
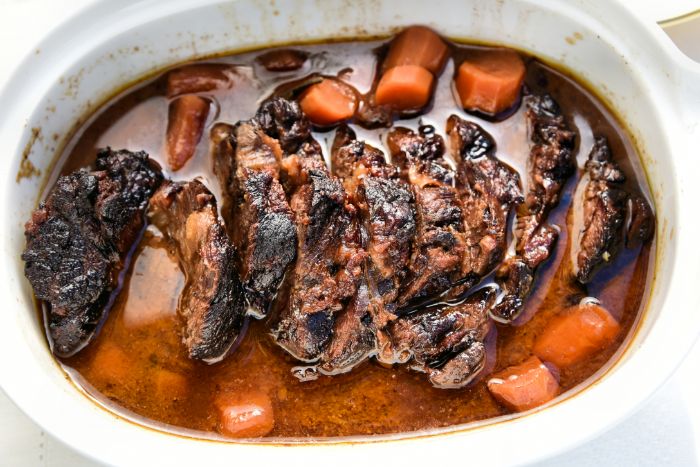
<point x="604" y="203"/>
<point x="322" y="283"/>
<point x="79" y="239"/>
<point x="550" y="164"/>
<point x="489" y="189"/>
<point x="256" y="211"/>
<point x="326" y="320"/>
<point x="606" y="207"/>
<point x="437" y="258"/>
<point x="516" y="275"/>
<point x="212" y="304"/>
<point x="353" y="339"/>
<point x="446" y="342"/>
<point x="387" y="212"/>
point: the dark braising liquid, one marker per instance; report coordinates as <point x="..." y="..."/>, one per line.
<point x="138" y="366"/>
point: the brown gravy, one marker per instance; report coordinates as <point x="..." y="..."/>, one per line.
<point x="137" y="365"/>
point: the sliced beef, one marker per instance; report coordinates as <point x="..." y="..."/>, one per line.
<point x="353" y="160"/>
<point x="606" y="206"/>
<point x="212" y="303"/>
<point x="437" y="258"/>
<point x="516" y="274"/>
<point x="386" y="208"/>
<point x="322" y="282"/>
<point x="550" y="163"/>
<point x="604" y="203"/>
<point x="258" y="216"/>
<point x="489" y="189"/>
<point x="79" y="238"/>
<point x="353" y="337"/>
<point x="326" y="320"/>
<point x="446" y="343"/>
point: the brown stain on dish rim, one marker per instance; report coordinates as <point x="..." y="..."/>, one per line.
<point x="594" y="380"/>
<point x="27" y="169"/>
<point x="574" y="38"/>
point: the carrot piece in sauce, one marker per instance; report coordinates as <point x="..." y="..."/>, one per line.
<point x="328" y="102"/>
<point x="111" y="364"/>
<point x="417" y="45"/>
<point x="245" y="415"/>
<point x="525" y="386"/>
<point x="169" y="385"/>
<point x="581" y="331"/>
<point x="491" y="82"/>
<point x="198" y="78"/>
<point x="186" y="119"/>
<point x="405" y="87"/>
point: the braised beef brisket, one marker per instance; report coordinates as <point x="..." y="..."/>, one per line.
<point x="446" y="342"/>
<point x="606" y="207"/>
<point x="258" y="216"/>
<point x="387" y="213"/>
<point x="353" y="336"/>
<point x="436" y="262"/>
<point x="326" y="320"/>
<point x="488" y="189"/>
<point x="550" y="163"/>
<point x="604" y="203"/>
<point x="211" y="304"/>
<point x="321" y="284"/>
<point x="79" y="238"/>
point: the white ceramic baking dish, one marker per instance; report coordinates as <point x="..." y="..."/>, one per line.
<point x="654" y="89"/>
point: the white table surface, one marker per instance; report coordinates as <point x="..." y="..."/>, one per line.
<point x="664" y="432"/>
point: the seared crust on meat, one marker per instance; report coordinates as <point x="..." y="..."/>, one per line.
<point x="212" y="304"/>
<point x="446" y="342"/>
<point x="603" y="211"/>
<point x="327" y="266"/>
<point x="550" y="164"/>
<point x="79" y="238"/>
<point x="326" y="319"/>
<point x="257" y="214"/>
<point x="606" y="206"/>
<point x="438" y="252"/>
<point x="386" y="209"/>
<point x="489" y="189"/>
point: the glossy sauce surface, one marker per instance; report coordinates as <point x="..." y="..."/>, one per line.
<point x="137" y="365"/>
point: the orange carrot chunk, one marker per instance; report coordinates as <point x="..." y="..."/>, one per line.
<point x="186" y="119"/>
<point x="405" y="87"/>
<point x="491" y="82"/>
<point x="111" y="364"/>
<point x="169" y="386"/>
<point x="417" y="45"/>
<point x="329" y="102"/>
<point x="198" y="78"/>
<point x="245" y="415"/>
<point x="525" y="386"/>
<point x="578" y="333"/>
